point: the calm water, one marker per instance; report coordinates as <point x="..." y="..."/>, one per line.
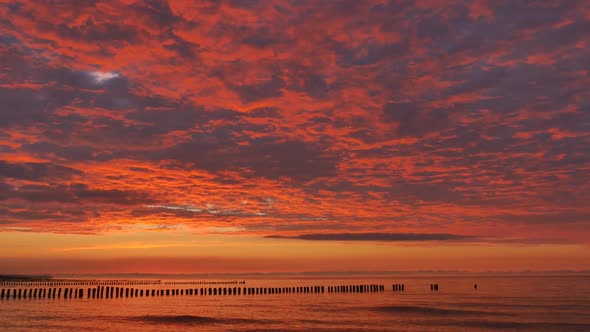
<point x="499" y="304"/>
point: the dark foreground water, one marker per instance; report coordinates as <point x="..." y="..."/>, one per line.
<point x="499" y="304"/>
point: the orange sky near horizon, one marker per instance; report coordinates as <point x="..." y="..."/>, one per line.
<point x="176" y="136"/>
<point x="186" y="252"/>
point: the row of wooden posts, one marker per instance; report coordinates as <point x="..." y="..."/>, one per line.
<point x="356" y="289"/>
<point x="79" y="282"/>
<point x="225" y="282"/>
<point x="119" y="292"/>
<point x="69" y="282"/>
<point x="398" y="287"/>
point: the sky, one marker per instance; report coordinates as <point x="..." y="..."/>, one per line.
<point x="258" y="136"/>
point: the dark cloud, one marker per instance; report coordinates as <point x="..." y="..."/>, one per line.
<point x="259" y="91"/>
<point x="76" y="194"/>
<point x="99" y="32"/>
<point x="415" y="120"/>
<point x="36" y="171"/>
<point x="109" y="196"/>
<point x="381" y="237"/>
<point x="269" y="158"/>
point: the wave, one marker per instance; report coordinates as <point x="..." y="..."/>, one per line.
<point x="193" y="320"/>
<point x="553" y="306"/>
<point x="433" y="311"/>
<point x="513" y="325"/>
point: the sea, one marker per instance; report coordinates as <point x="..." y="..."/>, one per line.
<point x="499" y="303"/>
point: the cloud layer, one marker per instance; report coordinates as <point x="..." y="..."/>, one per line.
<point x="297" y="117"/>
<point x="382" y="237"/>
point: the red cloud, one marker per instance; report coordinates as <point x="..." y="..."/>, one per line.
<point x="291" y="118"/>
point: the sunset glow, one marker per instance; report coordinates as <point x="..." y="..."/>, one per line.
<point x="287" y="136"/>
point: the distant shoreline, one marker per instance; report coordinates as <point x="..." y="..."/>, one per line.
<point x="5" y="277"/>
<point x="331" y="275"/>
<point x="299" y="275"/>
